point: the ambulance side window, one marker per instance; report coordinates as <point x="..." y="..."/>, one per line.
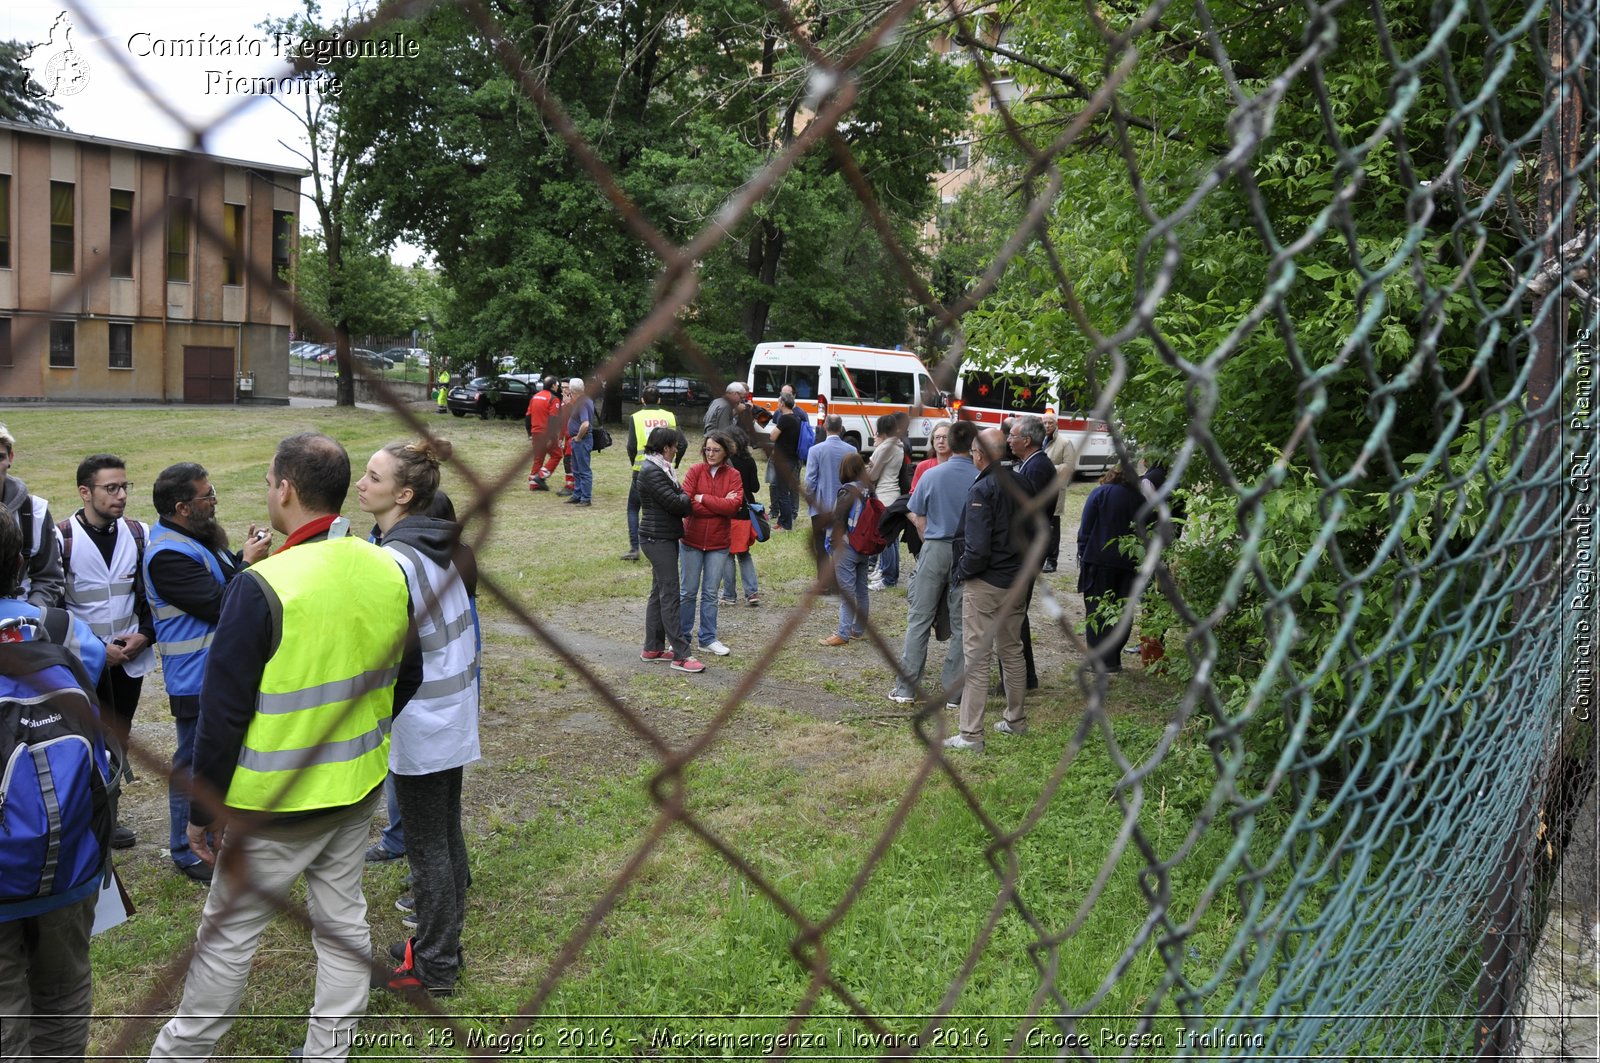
<point x="896" y="388"/>
<point x="844" y="390"/>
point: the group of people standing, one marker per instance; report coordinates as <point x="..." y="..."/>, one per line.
<point x="300" y="680"/>
<point x="561" y="420"/>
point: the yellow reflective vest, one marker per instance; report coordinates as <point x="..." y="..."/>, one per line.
<point x="644" y="422"/>
<point x="320" y="734"/>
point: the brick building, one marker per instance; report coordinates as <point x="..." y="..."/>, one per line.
<point x="136" y="273"/>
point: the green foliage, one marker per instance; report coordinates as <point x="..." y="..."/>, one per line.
<point x="378" y="297"/>
<point x="1328" y="288"/>
<point x="683" y="104"/>
<point x="17" y="104"/>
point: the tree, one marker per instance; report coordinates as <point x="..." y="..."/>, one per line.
<point x="17" y="104"/>
<point x="329" y="156"/>
<point x="379" y="298"/>
<point x="683" y="102"/>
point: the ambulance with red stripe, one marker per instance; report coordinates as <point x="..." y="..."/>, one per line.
<point x="990" y="390"/>
<point x="859" y="384"/>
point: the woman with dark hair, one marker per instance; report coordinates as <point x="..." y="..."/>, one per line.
<point x="740" y="564"/>
<point x="849" y="567"/>
<point x="716" y="491"/>
<point x="437" y="736"/>
<point x="662" y="507"/>
<point x="1105" y="573"/>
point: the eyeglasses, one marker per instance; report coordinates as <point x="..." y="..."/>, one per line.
<point x="209" y="497"/>
<point x="115" y="489"/>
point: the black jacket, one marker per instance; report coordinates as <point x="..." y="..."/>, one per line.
<point x="662" y="504"/>
<point x="439" y="541"/>
<point x="988" y="536"/>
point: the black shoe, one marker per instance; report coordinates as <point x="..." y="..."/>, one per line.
<point x="631" y="555"/>
<point x="1049" y="566"/>
<point x="377" y="854"/>
<point x="196" y="872"/>
<point x="565" y="492"/>
<point x="573" y="500"/>
<point x="123" y="838"/>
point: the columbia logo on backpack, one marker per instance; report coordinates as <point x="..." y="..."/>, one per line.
<point x="56" y="812"/>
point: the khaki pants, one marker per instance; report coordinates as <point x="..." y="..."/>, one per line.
<point x="252" y="873"/>
<point x="981" y="621"/>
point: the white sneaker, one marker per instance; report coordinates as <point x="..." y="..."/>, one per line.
<point x="901" y="699"/>
<point x="716" y="647"/>
<point x="962" y="742"/>
<point x="876" y="585"/>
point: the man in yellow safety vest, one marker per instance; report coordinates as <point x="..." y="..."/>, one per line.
<point x="309" y="662"/>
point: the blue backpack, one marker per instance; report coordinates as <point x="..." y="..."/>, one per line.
<point x="808" y="436"/>
<point x="56" y="797"/>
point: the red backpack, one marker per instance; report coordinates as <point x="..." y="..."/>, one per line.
<point x="866" y="537"/>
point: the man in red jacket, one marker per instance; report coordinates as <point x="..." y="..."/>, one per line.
<point x="546" y="450"/>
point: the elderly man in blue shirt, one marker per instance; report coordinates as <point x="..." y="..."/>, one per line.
<point x="935" y="509"/>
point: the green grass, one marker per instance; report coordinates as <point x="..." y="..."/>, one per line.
<point x="802" y="783"/>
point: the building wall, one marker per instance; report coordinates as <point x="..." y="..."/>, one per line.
<point x="251" y="318"/>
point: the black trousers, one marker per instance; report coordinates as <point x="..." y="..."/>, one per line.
<point x="663" y="617"/>
<point x="430" y="807"/>
<point x="1098" y="584"/>
<point x="119" y="697"/>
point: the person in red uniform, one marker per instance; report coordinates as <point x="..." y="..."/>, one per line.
<point x="546" y="451"/>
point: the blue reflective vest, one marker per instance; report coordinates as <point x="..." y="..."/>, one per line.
<point x="184" y="640"/>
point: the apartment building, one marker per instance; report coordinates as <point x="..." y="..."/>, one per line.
<point x="137" y="273"/>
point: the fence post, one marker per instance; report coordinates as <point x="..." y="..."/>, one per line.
<point x="1505" y="945"/>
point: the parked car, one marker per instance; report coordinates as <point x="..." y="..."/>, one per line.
<point x="681" y="391"/>
<point x="402" y="355"/>
<point x="486" y="396"/>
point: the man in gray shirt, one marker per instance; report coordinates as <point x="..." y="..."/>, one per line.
<point x="935" y="509"/>
<point x="723" y="414"/>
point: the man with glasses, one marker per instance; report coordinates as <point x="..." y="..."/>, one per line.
<point x="102" y="553"/>
<point x="186" y="570"/>
<point x="40" y="580"/>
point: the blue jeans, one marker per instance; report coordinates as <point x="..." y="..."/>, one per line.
<point x="889" y="563"/>
<point x="739" y="566"/>
<point x="393" y="837"/>
<point x="851" y="569"/>
<point x="582" y="476"/>
<point x="699" y="573"/>
<point x="178" y="797"/>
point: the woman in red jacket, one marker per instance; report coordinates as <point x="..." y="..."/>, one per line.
<point x="716" y="491"/>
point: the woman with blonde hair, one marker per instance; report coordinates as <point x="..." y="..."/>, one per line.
<point x="437" y="734"/>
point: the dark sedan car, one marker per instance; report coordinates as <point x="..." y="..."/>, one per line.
<point x="500" y="396"/>
<point x="681" y="391"/>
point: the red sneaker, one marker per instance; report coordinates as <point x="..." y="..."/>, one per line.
<point x="656" y="656"/>
<point x="406" y="979"/>
<point x="687" y="664"/>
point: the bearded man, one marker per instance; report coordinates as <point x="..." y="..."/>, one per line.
<point x="185" y="570"/>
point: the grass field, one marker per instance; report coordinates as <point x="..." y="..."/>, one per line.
<point x="803" y="779"/>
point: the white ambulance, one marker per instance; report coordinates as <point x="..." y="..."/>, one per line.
<point x="988" y="390"/>
<point x="857" y="383"/>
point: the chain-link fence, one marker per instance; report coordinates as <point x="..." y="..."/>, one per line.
<point x="1331" y="268"/>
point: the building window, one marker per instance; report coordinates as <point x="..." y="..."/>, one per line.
<point x="63" y="345"/>
<point x="63" y="208"/>
<point x="1006" y="91"/>
<point x="232" y="243"/>
<point x="960" y="156"/>
<point x="121" y="345"/>
<point x="5" y="221"/>
<point x="282" y="241"/>
<point x="121" y="233"/>
<point x="5" y="343"/>
<point x="179" y="211"/>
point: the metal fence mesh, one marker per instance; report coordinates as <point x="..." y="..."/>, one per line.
<point x="1372" y="629"/>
